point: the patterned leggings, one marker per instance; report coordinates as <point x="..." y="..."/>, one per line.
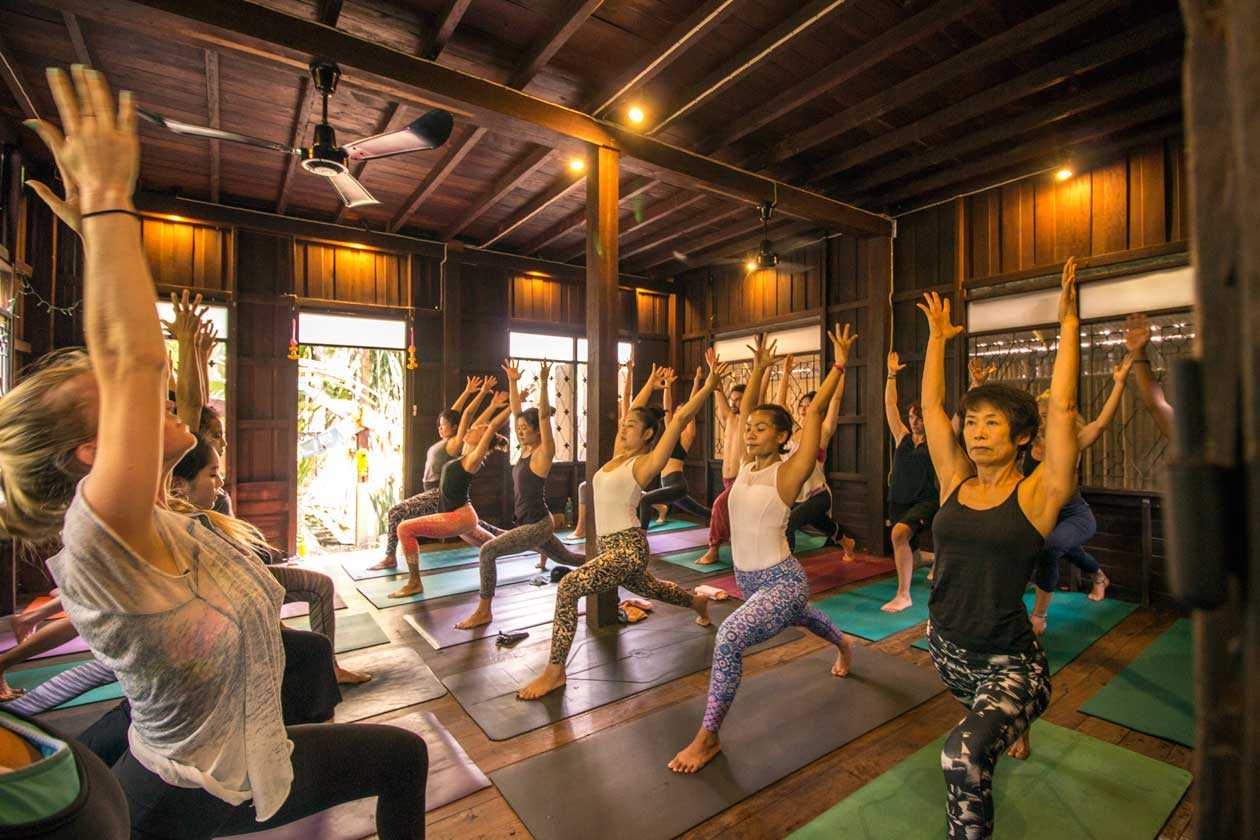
<point x="424" y="503"/>
<point x="456" y="523"/>
<point x="538" y="536"/>
<point x="314" y="588"/>
<point x="775" y="599"/>
<point x="622" y="561"/>
<point x="1005" y="694"/>
<point x="720" y="524"/>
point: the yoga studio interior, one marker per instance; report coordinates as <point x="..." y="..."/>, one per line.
<point x="665" y="419"/>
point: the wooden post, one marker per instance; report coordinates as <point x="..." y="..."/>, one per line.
<point x="451" y="315"/>
<point x="601" y="336"/>
<point x="875" y="259"/>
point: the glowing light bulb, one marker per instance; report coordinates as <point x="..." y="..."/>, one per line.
<point x="750" y="265"/>
<point x="577" y="165"/>
<point x="1063" y="174"/>
<point x="635" y="114"/>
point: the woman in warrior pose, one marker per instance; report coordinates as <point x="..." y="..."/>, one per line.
<point x="641" y="450"/>
<point x="813" y="505"/>
<point x="988" y="537"/>
<point x="534" y="526"/>
<point x="185" y="619"/>
<point x="673" y="489"/>
<point x="440" y="453"/>
<point x="456" y="516"/>
<point x="773" y="583"/>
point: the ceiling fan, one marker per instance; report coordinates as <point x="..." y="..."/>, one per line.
<point x="765" y="257"/>
<point x="324" y="157"/>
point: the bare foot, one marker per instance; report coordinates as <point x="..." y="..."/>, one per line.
<point x="1021" y="748"/>
<point x="479" y="618"/>
<point x="387" y="563"/>
<point x="700" y="603"/>
<point x="542" y="563"/>
<point x="22" y="626"/>
<point x="843" y="656"/>
<point x="698" y="753"/>
<point x="411" y="587"/>
<point x="1101" y="582"/>
<point x="347" y="677"/>
<point x="710" y="557"/>
<point x="8" y="693"/>
<point x="897" y="604"/>
<point x="548" y="681"/>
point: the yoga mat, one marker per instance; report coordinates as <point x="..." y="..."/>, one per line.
<point x="354" y="631"/>
<point x="615" y="785"/>
<point x="293" y="609"/>
<point x="1155" y="694"/>
<point x="29" y="678"/>
<point x="75" y="645"/>
<point x="687" y="559"/>
<point x="1073" y="623"/>
<point x="442" y="558"/>
<point x="602" y="668"/>
<point x="1071" y="786"/>
<point x="451" y="582"/>
<point x="39" y="601"/>
<point x="858" y="610"/>
<point x="399" y="679"/>
<point x="825" y="571"/>
<point x="670" y="525"/>
<point x="452" y="776"/>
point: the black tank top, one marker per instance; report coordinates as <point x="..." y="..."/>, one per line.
<point x="680" y="452"/>
<point x="913" y="477"/>
<point x="531" y="498"/>
<point x="454" y="486"/>
<point x="984" y="559"/>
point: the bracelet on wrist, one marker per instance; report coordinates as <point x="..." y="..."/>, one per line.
<point x="839" y="366"/>
<point x="113" y="210"/>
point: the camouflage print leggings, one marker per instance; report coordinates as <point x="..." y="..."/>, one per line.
<point x="1005" y="693"/>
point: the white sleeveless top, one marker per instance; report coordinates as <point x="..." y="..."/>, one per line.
<point x="758" y="519"/>
<point x="617" y="496"/>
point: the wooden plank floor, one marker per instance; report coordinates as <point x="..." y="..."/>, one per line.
<point x="792" y="801"/>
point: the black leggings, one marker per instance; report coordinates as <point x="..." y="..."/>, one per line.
<point x="673" y="488"/>
<point x="332" y="763"/>
<point x="814" y="511"/>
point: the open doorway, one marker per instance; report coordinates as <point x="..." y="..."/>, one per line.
<point x="350" y="423"/>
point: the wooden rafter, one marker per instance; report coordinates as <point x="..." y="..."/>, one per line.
<point x="575" y="220"/>
<point x="447" y="21"/>
<point x="660" y="210"/>
<point x="728" y="238"/>
<point x="534" y="206"/>
<point x="75" y="31"/>
<point x="510" y="180"/>
<point x="566" y="25"/>
<point x="691" y="225"/>
<point x="784" y="235"/>
<point x="986" y="101"/>
<point x="455" y="152"/>
<point x="15" y="82"/>
<point x="212" y="109"/>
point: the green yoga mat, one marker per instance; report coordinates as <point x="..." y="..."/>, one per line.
<point x="354" y="631"/>
<point x="569" y="538"/>
<point x="444" y="558"/>
<point x="442" y="584"/>
<point x="687" y="559"/>
<point x="29" y="678"/>
<point x="1073" y="623"/>
<point x="1072" y="786"/>
<point x="858" y="610"/>
<point x="1155" y="694"/>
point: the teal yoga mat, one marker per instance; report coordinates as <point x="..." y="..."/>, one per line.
<point x="1155" y="694"/>
<point x="354" y="631"/>
<point x="444" y="558"/>
<point x="1073" y="623"/>
<point x="1072" y="786"/>
<point x="687" y="559"/>
<point x="569" y="538"/>
<point x="29" y="678"/>
<point x="857" y="611"/>
<point x="452" y="582"/>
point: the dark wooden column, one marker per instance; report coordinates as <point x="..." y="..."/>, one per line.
<point x="601" y="335"/>
<point x="875" y="260"/>
<point x="452" y="381"/>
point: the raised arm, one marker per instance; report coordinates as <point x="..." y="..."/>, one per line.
<point x="1092" y="431"/>
<point x="648" y="468"/>
<point x="833" y="411"/>
<point x="781" y="398"/>
<point x="471" y="386"/>
<point x="668" y="378"/>
<point x="456" y="441"/>
<point x="513" y="375"/>
<point x="472" y="460"/>
<point x="623" y="401"/>
<point x="1054" y="481"/>
<point x="1137" y="335"/>
<point x="540" y="460"/>
<point x="651" y="384"/>
<point x="948" y="458"/>
<point x="206" y="338"/>
<point x="763" y="360"/>
<point x="980" y="373"/>
<point x="798" y="467"/>
<point x="183" y="327"/>
<point x="892" y="414"/>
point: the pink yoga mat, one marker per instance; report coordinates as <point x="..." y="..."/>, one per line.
<point x="298" y="608"/>
<point x="75" y="645"/>
<point x="825" y="571"/>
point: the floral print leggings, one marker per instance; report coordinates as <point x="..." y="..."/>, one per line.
<point x="1004" y="693"/>
<point x="622" y="561"/>
<point x="775" y="599"/>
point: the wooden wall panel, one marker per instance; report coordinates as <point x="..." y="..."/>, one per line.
<point x="350" y="275"/>
<point x="652" y="311"/>
<point x="547" y="300"/>
<point x="186" y="253"/>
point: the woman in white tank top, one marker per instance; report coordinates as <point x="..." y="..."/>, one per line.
<point x="640" y="453"/>
<point x="773" y="583"/>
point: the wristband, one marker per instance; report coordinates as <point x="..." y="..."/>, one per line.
<point x="130" y="213"/>
<point x="892" y="376"/>
<point x="1142" y="361"/>
<point x="839" y="366"/>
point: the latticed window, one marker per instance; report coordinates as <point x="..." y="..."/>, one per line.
<point x="1131" y="450"/>
<point x="805" y="377"/>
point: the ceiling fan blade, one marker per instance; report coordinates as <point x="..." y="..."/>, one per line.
<point x="428" y="131"/>
<point x="351" y="191"/>
<point x="211" y="133"/>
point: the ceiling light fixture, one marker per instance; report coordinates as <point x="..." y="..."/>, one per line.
<point x="636" y="114"/>
<point x="1063" y="174"/>
<point x="577" y="165"/>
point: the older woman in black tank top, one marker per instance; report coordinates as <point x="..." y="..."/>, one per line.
<point x="988" y="534"/>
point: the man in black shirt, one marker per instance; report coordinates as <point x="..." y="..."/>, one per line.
<point x="913" y="495"/>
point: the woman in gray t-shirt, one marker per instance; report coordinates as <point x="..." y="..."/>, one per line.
<point x="187" y="621"/>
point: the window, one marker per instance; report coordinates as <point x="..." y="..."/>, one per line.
<point x="568" y="384"/>
<point x="8" y="293"/>
<point x="218" y="315"/>
<point x="1130" y="453"/>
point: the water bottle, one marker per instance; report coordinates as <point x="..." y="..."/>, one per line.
<point x="568" y="511"/>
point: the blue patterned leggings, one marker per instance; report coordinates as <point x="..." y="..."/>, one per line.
<point x="775" y="599"/>
<point x="1004" y="694"/>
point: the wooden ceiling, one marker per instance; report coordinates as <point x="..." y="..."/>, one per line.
<point x="884" y="104"/>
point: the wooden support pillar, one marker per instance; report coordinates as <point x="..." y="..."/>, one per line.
<point x="875" y="261"/>
<point x="451" y="315"/>
<point x="601" y="336"/>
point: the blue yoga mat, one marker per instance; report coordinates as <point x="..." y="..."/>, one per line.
<point x="29" y="678"/>
<point x="453" y="582"/>
<point x="858" y="610"/>
<point x="569" y="538"/>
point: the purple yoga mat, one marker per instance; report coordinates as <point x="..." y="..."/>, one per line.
<point x="297" y="608"/>
<point x="452" y="776"/>
<point x="75" y="645"/>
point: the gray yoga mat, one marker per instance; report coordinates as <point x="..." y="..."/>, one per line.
<point x="399" y="679"/>
<point x="295" y="609"/>
<point x="602" y="668"/>
<point x="781" y="720"/>
<point x="354" y="631"/>
<point x="452" y="776"/>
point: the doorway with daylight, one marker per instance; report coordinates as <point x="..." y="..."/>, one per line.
<point x="350" y="426"/>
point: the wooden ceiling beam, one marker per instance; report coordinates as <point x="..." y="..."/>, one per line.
<point x="15" y="82"/>
<point x="455" y="152"/>
<point x="562" y="29"/>
<point x="726" y="241"/>
<point x="783" y="235"/>
<point x="1006" y="44"/>
<point x="680" y="200"/>
<point x="1006" y="130"/>
<point x="77" y="40"/>
<point x="1022" y="86"/>
<point x="212" y="110"/>
<point x="534" y="206"/>
<point x="447" y="21"/>
<point x="524" y="167"/>
<point x="695" y="223"/>
<point x="631" y="189"/>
